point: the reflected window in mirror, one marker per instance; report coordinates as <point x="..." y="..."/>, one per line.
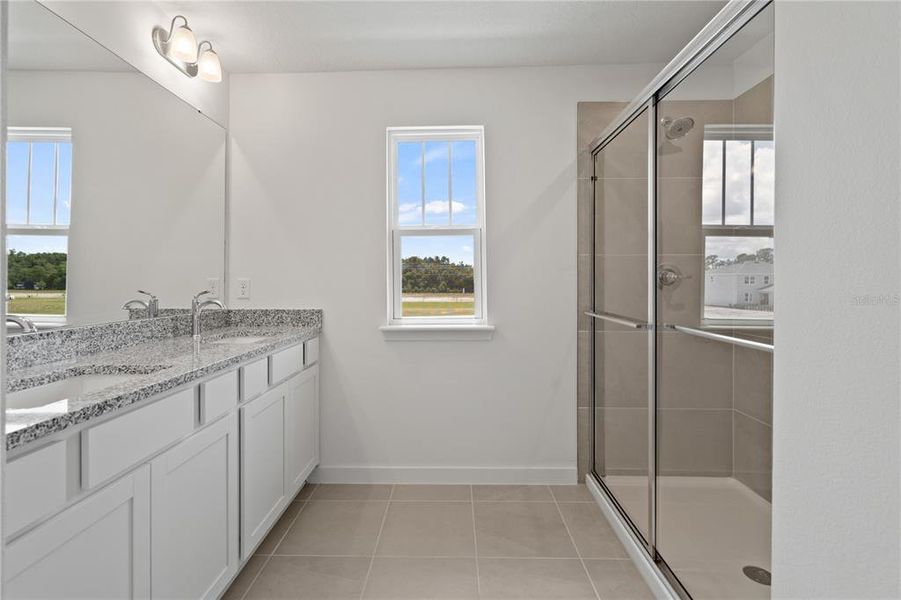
<point x="38" y="207"/>
<point x="737" y="216"/>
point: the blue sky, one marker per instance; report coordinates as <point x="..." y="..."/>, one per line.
<point x="458" y="248"/>
<point x="37" y="243"/>
<point x="431" y="160"/>
<point x="42" y="184"/>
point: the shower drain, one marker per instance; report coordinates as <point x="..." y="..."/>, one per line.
<point x="758" y="574"/>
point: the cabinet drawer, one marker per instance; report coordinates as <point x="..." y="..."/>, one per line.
<point x="112" y="447"/>
<point x="254" y="379"/>
<point x="285" y="363"/>
<point x="35" y="486"/>
<point x="218" y="396"/>
<point x="311" y="352"/>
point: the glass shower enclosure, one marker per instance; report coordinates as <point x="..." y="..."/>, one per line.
<point x="683" y="310"/>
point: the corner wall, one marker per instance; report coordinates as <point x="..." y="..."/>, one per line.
<point x="836" y="401"/>
<point x="308" y="227"/>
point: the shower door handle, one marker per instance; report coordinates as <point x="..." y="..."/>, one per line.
<point x="619" y="320"/>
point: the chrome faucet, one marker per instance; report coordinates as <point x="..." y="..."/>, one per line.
<point x="152" y="305"/>
<point x="27" y="325"/>
<point x="197" y="307"/>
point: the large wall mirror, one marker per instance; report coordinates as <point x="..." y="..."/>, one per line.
<point x="113" y="183"/>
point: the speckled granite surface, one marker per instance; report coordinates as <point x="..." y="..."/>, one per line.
<point x="156" y="356"/>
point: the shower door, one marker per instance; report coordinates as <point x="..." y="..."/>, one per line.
<point x="623" y="316"/>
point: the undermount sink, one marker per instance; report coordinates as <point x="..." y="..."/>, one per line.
<point x="60" y="392"/>
<point x="240" y="339"/>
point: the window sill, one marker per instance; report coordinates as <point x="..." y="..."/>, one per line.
<point x="444" y="332"/>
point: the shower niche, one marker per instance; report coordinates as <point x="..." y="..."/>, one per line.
<point x="680" y="314"/>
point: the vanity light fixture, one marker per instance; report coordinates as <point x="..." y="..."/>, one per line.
<point x="180" y="48"/>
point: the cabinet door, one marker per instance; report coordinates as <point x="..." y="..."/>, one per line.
<point x="301" y="428"/>
<point x="194" y="502"/>
<point x="97" y="548"/>
<point x="262" y="466"/>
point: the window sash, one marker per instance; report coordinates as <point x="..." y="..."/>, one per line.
<point x="397" y="231"/>
<point x="762" y="231"/>
<point x="32" y="136"/>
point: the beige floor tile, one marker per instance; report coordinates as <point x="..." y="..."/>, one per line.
<point x="571" y="493"/>
<point x="500" y="493"/>
<point x="278" y="531"/>
<point x="335" y="529"/>
<point x="618" y="580"/>
<point x="428" y="493"/>
<point x="422" y="579"/>
<point x="299" y="577"/>
<point x="242" y="582"/>
<point x="427" y="529"/>
<point x="305" y="492"/>
<point x="355" y="491"/>
<point x="591" y="532"/>
<point x="523" y="578"/>
<point x="521" y="529"/>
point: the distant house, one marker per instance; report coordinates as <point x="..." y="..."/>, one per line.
<point x="740" y="285"/>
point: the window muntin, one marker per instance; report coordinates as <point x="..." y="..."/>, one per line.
<point x="39" y="196"/>
<point x="436" y="225"/>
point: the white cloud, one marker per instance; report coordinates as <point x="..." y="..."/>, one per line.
<point x="439" y="207"/>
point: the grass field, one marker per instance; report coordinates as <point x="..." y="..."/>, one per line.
<point x="438" y="305"/>
<point x="34" y="302"/>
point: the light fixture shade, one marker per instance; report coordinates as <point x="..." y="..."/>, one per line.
<point x="208" y="67"/>
<point x="182" y="45"/>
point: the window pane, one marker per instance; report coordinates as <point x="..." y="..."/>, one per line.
<point x="738" y="182"/>
<point x="409" y="183"/>
<point x="437" y="177"/>
<point x="43" y="157"/>
<point x="64" y="184"/>
<point x="37" y="274"/>
<point x="437" y="275"/>
<point x="764" y="182"/>
<point x="738" y="278"/>
<point x="16" y="182"/>
<point x="464" y="183"/>
<point x="712" y="194"/>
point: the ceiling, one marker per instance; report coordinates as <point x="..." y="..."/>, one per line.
<point x="39" y="40"/>
<point x="256" y="36"/>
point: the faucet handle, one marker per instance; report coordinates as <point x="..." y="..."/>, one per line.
<point x="152" y="297"/>
<point x="203" y="293"/>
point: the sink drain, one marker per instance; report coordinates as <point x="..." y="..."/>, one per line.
<point x="758" y="574"/>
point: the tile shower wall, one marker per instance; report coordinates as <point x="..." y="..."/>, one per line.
<point x="716" y="400"/>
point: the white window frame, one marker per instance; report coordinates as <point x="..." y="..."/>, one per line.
<point x="396" y="230"/>
<point x="751" y="133"/>
<point x="34" y="135"/>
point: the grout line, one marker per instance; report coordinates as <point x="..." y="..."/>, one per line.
<point x="288" y="528"/>
<point x="257" y="576"/>
<point x="573" y="542"/>
<point x="378" y="539"/>
<point x="744" y="414"/>
<point x="475" y="541"/>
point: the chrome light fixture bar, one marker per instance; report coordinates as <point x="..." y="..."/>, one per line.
<point x="179" y="46"/>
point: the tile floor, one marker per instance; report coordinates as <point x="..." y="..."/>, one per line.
<point x="440" y="541"/>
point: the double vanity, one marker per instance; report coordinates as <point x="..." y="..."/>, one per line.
<point x="143" y="462"/>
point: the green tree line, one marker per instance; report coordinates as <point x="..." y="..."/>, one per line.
<point x="436" y="274"/>
<point x="764" y="255"/>
<point x="36" y="271"/>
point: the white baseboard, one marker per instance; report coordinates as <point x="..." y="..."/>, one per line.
<point x="658" y="583"/>
<point x="366" y="474"/>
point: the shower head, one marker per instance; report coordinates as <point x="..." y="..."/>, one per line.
<point x="677" y="128"/>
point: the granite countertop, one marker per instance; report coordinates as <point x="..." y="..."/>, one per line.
<point x="146" y="369"/>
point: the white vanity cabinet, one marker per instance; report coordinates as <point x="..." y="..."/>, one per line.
<point x="194" y="501"/>
<point x="301" y="428"/>
<point x="98" y="548"/>
<point x="262" y="466"/>
<point x="167" y="500"/>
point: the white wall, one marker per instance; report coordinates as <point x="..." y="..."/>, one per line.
<point x="308" y="227"/>
<point x="836" y="407"/>
<point x="125" y="28"/>
<point x="148" y="187"/>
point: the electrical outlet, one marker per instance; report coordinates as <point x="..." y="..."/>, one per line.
<point x="212" y="284"/>
<point x="244" y="289"/>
